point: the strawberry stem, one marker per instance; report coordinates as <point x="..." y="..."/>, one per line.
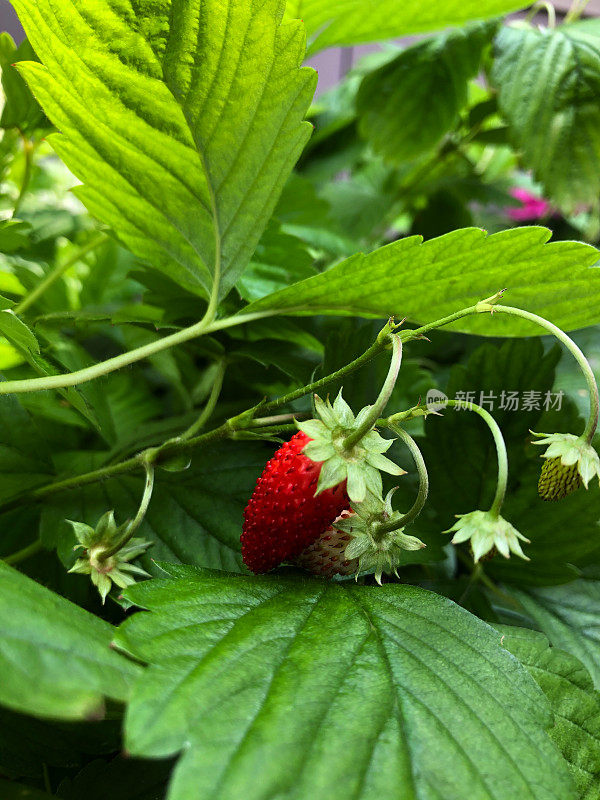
<point x="423" y="492"/>
<point x="584" y="364"/>
<point x="386" y="391"/>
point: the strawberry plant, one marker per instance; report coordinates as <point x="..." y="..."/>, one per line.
<point x="273" y="366"/>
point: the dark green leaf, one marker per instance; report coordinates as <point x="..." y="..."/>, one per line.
<point x="24" y="458"/>
<point x="14" y="234"/>
<point x="26" y="743"/>
<point x="548" y="84"/>
<point x="17" y="333"/>
<point x="328" y="690"/>
<point x="576" y="706"/>
<point x="16" y="791"/>
<point x="20" y="107"/>
<point x="128" y="779"/>
<point x="406" y="106"/>
<point x="55" y="658"/>
<point x="569" y="615"/>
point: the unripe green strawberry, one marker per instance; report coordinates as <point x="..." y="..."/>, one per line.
<point x="557" y="480"/>
<point x="283" y="516"/>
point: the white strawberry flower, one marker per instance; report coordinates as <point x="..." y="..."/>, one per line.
<point x="486" y="530"/>
<point x="361" y="465"/>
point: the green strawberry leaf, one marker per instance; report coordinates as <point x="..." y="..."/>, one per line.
<point x="20" y="107"/>
<point x="128" y="778"/>
<point x="17" y="333"/>
<point x="342" y="22"/>
<point x="424" y="281"/>
<point x="14" y="235"/>
<point x="574" y="702"/>
<point x="407" y="105"/>
<point x="569" y="615"/>
<point x="181" y="121"/>
<point x="548" y="84"/>
<point x="17" y="791"/>
<point x="24" y="455"/>
<point x="27" y="744"/>
<point x="55" y="658"/>
<point x="328" y="690"/>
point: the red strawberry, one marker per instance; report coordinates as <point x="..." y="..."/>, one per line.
<point x="325" y="556"/>
<point x="283" y="517"/>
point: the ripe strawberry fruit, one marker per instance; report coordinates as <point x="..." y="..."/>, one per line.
<point x="283" y="516"/>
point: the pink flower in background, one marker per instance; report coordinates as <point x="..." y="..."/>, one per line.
<point x="532" y="207"/>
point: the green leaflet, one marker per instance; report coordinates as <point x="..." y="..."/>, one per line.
<point x="569" y="615"/>
<point x="25" y="458"/>
<point x="548" y="88"/>
<point x="424" y="281"/>
<point x="342" y="22"/>
<point x="17" y="333"/>
<point x="408" y="104"/>
<point x="182" y="121"/>
<point x="20" y="108"/>
<point x="55" y="658"/>
<point x="128" y="779"/>
<point x="329" y="690"/>
<point x="17" y="791"/>
<point x="574" y="702"/>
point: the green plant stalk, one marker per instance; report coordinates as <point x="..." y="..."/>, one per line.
<point x="592" y="423"/>
<point x="500" y="450"/>
<point x="576" y="10"/>
<point x="31" y="550"/>
<point x="386" y="392"/>
<point x="210" y="404"/>
<point x="139" y="517"/>
<point x="423" y="492"/>
<point x="206" y="325"/>
<point x="543" y="5"/>
<point x="28" y="151"/>
<point x="57" y="272"/>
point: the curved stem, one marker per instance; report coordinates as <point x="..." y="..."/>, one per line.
<point x="31" y="550"/>
<point x="546" y="6"/>
<point x="123" y="360"/>
<point x="386" y="391"/>
<point x="210" y="403"/>
<point x="500" y="450"/>
<point x="592" y="423"/>
<point x="139" y="517"/>
<point x="57" y="272"/>
<point x="423" y="492"/>
<point x="28" y="151"/>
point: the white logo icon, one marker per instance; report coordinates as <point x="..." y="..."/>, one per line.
<point x="436" y="400"/>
